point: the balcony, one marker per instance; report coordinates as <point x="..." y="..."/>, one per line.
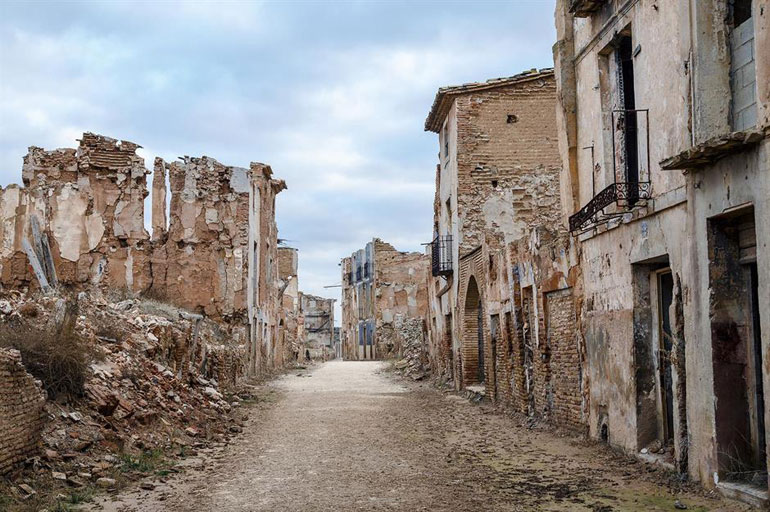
<point x="630" y="168"/>
<point x="585" y="8"/>
<point x="623" y="194"/>
<point x="441" y="255"/>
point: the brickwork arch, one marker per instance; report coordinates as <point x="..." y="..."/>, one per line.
<point x="472" y="335"/>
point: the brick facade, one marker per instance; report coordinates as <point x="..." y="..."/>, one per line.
<point x="514" y="268"/>
<point x="21" y="411"/>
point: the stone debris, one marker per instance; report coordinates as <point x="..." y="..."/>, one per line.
<point x="105" y="482"/>
<point x="412" y="339"/>
<point x="150" y="389"/>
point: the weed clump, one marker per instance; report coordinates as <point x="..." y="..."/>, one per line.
<point x="54" y="354"/>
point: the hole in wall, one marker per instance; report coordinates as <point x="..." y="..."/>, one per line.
<point x="512" y="118"/>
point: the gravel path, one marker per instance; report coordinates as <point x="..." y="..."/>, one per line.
<point x="349" y="436"/>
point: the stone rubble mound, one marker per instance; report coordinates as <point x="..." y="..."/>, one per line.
<point x="160" y="380"/>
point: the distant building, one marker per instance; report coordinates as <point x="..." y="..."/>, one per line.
<point x="380" y="284"/>
<point x="318" y="315"/>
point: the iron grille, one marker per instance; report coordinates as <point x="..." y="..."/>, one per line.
<point x="441" y="255"/>
<point x="630" y="167"/>
<point x="623" y="194"/>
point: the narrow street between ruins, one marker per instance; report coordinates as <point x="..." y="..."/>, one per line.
<point x="354" y="436"/>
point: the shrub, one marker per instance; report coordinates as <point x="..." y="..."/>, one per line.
<point x="54" y="355"/>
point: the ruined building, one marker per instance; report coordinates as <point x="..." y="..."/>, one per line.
<point x="292" y="322"/>
<point x="663" y="128"/>
<point x="502" y="320"/>
<point x="318" y="316"/>
<point x="79" y="222"/>
<point x="381" y="288"/>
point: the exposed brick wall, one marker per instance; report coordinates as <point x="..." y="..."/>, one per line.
<point x="466" y="365"/>
<point x="21" y="411"/>
<point x="565" y="358"/>
<point x="508" y="172"/>
<point x="512" y="242"/>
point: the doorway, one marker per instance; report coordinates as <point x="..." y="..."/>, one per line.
<point x="737" y="349"/>
<point x="665" y="297"/>
<point x="473" y="336"/>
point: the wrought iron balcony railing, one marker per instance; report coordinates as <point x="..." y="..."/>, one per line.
<point x="631" y="186"/>
<point x="623" y="194"/>
<point x="441" y="255"/>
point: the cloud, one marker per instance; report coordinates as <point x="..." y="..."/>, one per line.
<point x="332" y="95"/>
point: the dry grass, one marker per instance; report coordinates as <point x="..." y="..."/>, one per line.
<point x="54" y="355"/>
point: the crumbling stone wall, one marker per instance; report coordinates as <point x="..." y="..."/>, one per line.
<point x="400" y="288"/>
<point x="498" y="178"/>
<point x="379" y="283"/>
<point x="349" y="320"/>
<point x="79" y="220"/>
<point x="21" y="411"/>
<point x="90" y="203"/>
<point x="507" y="161"/>
<point x="703" y="173"/>
<point x="263" y="292"/>
<point x="202" y="259"/>
<point x="318" y="314"/>
<point x="291" y="315"/>
<point x="410" y="332"/>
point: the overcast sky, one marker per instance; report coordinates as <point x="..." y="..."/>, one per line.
<point x="332" y="95"/>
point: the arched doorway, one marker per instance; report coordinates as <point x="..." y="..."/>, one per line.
<point x="473" y="336"/>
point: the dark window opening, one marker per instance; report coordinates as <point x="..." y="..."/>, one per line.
<point x="625" y="62"/>
<point x="605" y="433"/>
<point x="446" y="142"/>
<point x="494" y="183"/>
<point x="512" y="118"/>
<point x="740" y="11"/>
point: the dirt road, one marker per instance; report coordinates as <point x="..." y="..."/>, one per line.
<point x="348" y="436"/>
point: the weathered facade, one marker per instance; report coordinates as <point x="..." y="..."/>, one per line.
<point x="663" y="130"/>
<point x="379" y="286"/>
<point x="79" y="222"/>
<point x="318" y="316"/>
<point x="504" y="275"/>
<point x="90" y="202"/>
<point x="292" y="320"/>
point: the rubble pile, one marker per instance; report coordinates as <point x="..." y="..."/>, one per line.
<point x="411" y="336"/>
<point x="160" y="380"/>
